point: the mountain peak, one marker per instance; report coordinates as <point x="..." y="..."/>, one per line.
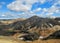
<point x="35" y="16"/>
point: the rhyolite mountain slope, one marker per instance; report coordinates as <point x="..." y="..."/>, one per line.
<point x="31" y="24"/>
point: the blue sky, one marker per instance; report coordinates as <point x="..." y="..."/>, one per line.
<point x="11" y="9"/>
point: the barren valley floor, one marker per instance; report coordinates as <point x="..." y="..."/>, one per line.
<point x="4" y="39"/>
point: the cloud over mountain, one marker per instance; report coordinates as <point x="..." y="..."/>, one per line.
<point x="26" y="5"/>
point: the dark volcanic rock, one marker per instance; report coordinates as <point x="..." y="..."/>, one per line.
<point x="30" y="37"/>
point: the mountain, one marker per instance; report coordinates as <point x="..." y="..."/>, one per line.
<point x="23" y="25"/>
<point x="58" y="18"/>
<point x="33" y="25"/>
<point x="32" y="22"/>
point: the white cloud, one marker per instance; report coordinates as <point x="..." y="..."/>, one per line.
<point x="42" y="1"/>
<point x="57" y="11"/>
<point x="3" y="15"/>
<point x="44" y="9"/>
<point x="54" y="9"/>
<point x="25" y="6"/>
<point x="18" y="6"/>
<point x="26" y="14"/>
<point x="21" y="5"/>
<point x="33" y="1"/>
<point x="50" y="11"/>
<point x="13" y="15"/>
<point x="6" y="14"/>
<point x="37" y="10"/>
